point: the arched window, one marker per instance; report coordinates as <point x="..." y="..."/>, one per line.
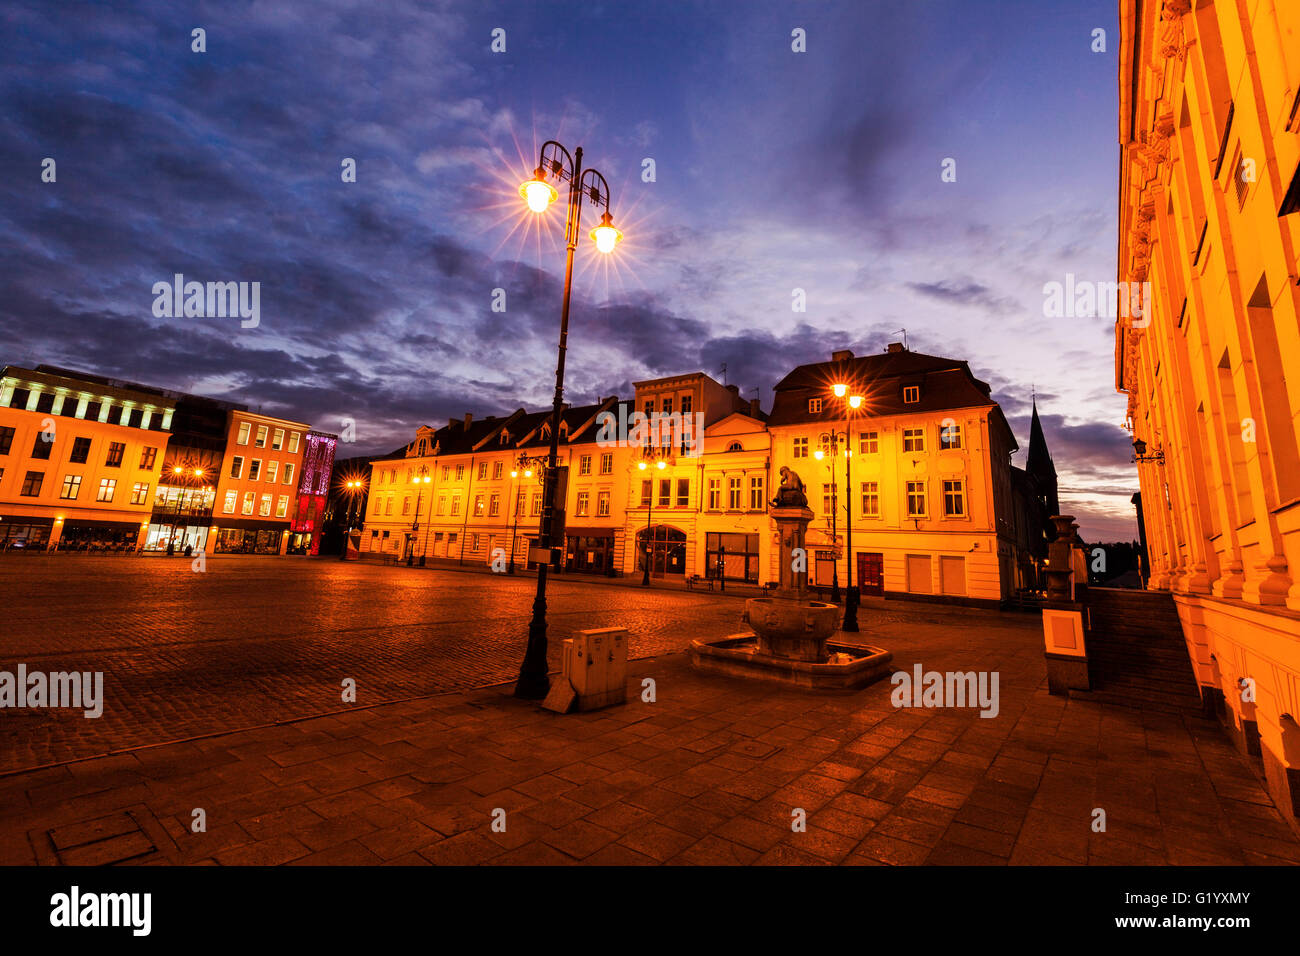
<point x="735" y="446"/>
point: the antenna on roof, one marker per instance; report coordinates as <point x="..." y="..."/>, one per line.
<point x="904" y="334"/>
<point x="724" y="373"/>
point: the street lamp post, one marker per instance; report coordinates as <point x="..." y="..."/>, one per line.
<point x="555" y="162"/>
<point x="182" y="475"/>
<point x="649" y="512"/>
<point x="514" y="534"/>
<point x="851" y="402"/>
<point x="353" y="490"/>
<point x="831" y="442"/>
<point x="422" y="478"/>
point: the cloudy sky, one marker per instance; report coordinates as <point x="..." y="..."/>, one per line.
<point x="774" y="170"/>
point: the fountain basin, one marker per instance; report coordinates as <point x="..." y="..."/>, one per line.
<point x="843" y="666"/>
<point x="792" y="628"/>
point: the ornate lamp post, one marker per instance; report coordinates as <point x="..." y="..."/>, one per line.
<point x="528" y="466"/>
<point x="649" y="511"/>
<point x="353" y="486"/>
<point x="556" y="163"/>
<point x="830" y="446"/>
<point x="851" y="404"/>
<point x="421" y="479"/>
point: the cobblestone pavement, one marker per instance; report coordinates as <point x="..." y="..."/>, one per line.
<point x="713" y="770"/>
<point x="259" y="639"/>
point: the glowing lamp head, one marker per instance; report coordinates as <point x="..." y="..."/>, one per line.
<point x="819" y="454"/>
<point x="177" y="470"/>
<point x="605" y="235"/>
<point x="514" y="473"/>
<point x="528" y="473"/>
<point x="855" y="401"/>
<point x="198" y="472"/>
<point x="537" y="192"/>
<point x="661" y="464"/>
<point x="641" y="465"/>
<point x="839" y="389"/>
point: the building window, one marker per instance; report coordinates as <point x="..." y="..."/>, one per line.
<point x="236" y="466"/>
<point x="602" y="505"/>
<point x="607" y="463"/>
<point x="868" y="442"/>
<point x="92" y="411"/>
<point x="649" y="408"/>
<point x="446" y="472"/>
<point x="497" y="469"/>
<point x="683" y="492"/>
<point x="954" y="499"/>
<point x="232" y="498"/>
<point x="494" y="506"/>
<point x="288" y="473"/>
<point x="406" y="505"/>
<point x="536" y="509"/>
<point x="147" y="458"/>
<point x="249" y="500"/>
<point x="735" y="446"/>
<point x="647" y="487"/>
<point x="474" y="540"/>
<point x="388" y="508"/>
<point x="584" y="465"/>
<point x="686" y="404"/>
<point x="756" y="502"/>
<point x="916" y="499"/>
<point x="478" y="506"/>
<point x="665" y="492"/>
<point x="71" y="487"/>
<point x="115" y="452"/>
<point x="455" y="504"/>
<point x="911" y="394"/>
<point x="19" y="398"/>
<point x="282" y="506"/>
<point x="584" y="499"/>
<point x="460" y="472"/>
<point x="733" y="494"/>
<point x="107" y="486"/>
<point x="254" y="469"/>
<point x="950" y="436"/>
<point x="715" y="494"/>
<point x="272" y="470"/>
<point x="139" y="492"/>
<point x="668" y="406"/>
<point x="6" y="439"/>
<point x="801" y="448"/>
<point x="913" y="439"/>
<point x="277" y="439"/>
<point x="814" y="406"/>
<point x="828" y="499"/>
<point x="442" y="504"/>
<point x="734" y="556"/>
<point x="482" y="471"/>
<point x="265" y="508"/>
<point x="32" y="484"/>
<point x="260" y="440"/>
<point x="870" y="499"/>
<point x="80" y="451"/>
<point x="41" y="448"/>
<point x="243" y="433"/>
<point x="293" y="443"/>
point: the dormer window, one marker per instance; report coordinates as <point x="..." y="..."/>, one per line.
<point x="911" y="394"/>
<point x="814" y="406"/>
<point x="505" y="437"/>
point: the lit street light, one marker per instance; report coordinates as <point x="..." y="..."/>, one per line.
<point x="852" y="403"/>
<point x="555" y="163"/>
<point x="650" y="505"/>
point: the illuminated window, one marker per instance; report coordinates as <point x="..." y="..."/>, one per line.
<point x="913" y="439"/>
<point x="260" y="440"/>
<point x="250" y="499"/>
<point x="916" y="499"/>
<point x="584" y="465"/>
<point x="282" y="506"/>
<point x="756" y="502"/>
<point x="870" y="499"/>
<point x="494" y="505"/>
<point x="801" y="448"/>
<point x="607" y="463"/>
<point x="733" y="494"/>
<point x="232" y="499"/>
<point x="584" y="499"/>
<point x="288" y="473"/>
<point x="293" y="443"/>
<point x="139" y="492"/>
<point x="107" y="487"/>
<point x="478" y="506"/>
<point x="272" y="469"/>
<point x="715" y="494"/>
<point x="497" y="469"/>
<point x="602" y="505"/>
<point x="950" y="436"/>
<point x="243" y="433"/>
<point x="265" y="508"/>
<point x="868" y="442"/>
<point x="277" y="439"/>
<point x="71" y="487"/>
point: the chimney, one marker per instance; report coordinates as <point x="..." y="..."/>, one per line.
<point x="753" y="408"/>
<point x="843" y="355"/>
<point x="734" y="389"/>
<point x="895" y="347"/>
<point x="451" y="423"/>
<point x="468" y="418"/>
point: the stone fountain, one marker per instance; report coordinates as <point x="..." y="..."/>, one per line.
<point x="793" y="635"/>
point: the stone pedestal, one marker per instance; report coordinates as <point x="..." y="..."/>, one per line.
<point x="789" y="625"/>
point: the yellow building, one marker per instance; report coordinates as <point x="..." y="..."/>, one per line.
<point x="1210" y="136"/>
<point x="79" y="460"/>
<point x="930" y="492"/>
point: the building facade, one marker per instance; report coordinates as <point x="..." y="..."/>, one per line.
<point x="1209" y="187"/>
<point x="257" y="490"/>
<point x="931" y="494"/>
<point x="80" y="460"/>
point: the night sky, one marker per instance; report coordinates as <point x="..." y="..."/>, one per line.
<point x="775" y="170"/>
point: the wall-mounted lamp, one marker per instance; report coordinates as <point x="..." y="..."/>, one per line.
<point x="1140" y="453"/>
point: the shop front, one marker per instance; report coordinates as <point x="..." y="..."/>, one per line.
<point x="21" y="534"/>
<point x="667" y="549"/>
<point x="589" y="550"/>
<point x="251" y="537"/>
<point x="84" y="535"/>
<point x="734" y="557"/>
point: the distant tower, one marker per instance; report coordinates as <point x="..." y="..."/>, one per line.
<point x="1038" y="464"/>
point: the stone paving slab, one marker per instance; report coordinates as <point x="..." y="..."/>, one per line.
<point x="712" y="772"/>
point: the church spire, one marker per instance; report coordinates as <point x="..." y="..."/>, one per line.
<point x="1039" y="459"/>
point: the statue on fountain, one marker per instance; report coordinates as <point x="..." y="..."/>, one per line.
<point x="791" y="492"/>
